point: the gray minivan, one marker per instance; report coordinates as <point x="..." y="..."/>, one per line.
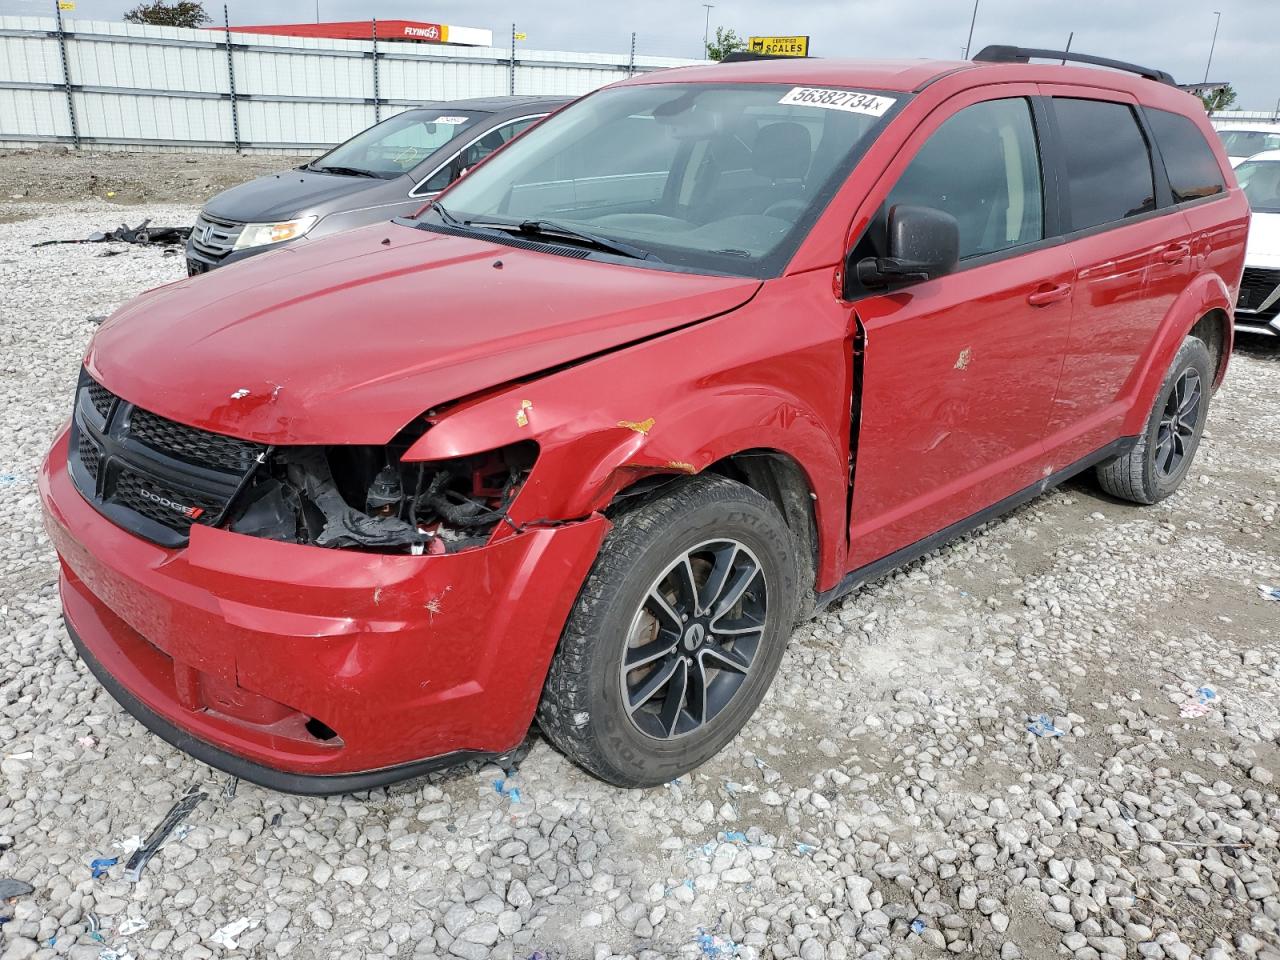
<point x="386" y="171"/>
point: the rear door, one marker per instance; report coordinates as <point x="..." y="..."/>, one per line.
<point x="959" y="372"/>
<point x="1132" y="251"/>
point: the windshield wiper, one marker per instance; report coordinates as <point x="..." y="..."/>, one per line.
<point x="553" y="230"/>
<point x="348" y="172"/>
<point x="445" y="215"/>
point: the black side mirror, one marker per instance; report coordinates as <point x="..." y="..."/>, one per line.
<point x="924" y="243"/>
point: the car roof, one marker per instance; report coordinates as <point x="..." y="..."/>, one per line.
<point x="493" y="104"/>
<point x="907" y="76"/>
<point x="1271" y="156"/>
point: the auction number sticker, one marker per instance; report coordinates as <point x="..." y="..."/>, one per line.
<point x="450" y="120"/>
<point x="848" y="100"/>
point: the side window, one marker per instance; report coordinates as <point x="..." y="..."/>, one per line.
<point x="1193" y="169"/>
<point x="477" y="151"/>
<point x="981" y="166"/>
<point x="1108" y="164"/>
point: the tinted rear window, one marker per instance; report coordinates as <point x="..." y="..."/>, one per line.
<point x="1107" y="162"/>
<point x="1193" y="169"/>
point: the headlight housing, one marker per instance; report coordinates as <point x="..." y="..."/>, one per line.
<point x="261" y="234"/>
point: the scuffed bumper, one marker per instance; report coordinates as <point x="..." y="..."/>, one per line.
<point x="250" y="654"/>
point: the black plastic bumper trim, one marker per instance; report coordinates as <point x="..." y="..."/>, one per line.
<point x="303" y="784"/>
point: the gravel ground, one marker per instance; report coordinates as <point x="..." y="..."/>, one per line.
<point x="888" y="800"/>
<point x="61" y="174"/>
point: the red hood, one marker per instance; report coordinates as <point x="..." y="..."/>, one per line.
<point x="347" y="339"/>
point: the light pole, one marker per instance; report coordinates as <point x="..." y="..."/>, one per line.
<point x="706" y="31"/>
<point x="972" y="20"/>
<point x="1212" y="44"/>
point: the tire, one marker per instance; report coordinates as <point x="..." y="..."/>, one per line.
<point x="1147" y="473"/>
<point x="725" y="529"/>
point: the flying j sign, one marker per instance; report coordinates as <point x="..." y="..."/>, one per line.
<point x="780" y="46"/>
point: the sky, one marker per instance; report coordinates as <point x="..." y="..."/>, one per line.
<point x="1173" y="35"/>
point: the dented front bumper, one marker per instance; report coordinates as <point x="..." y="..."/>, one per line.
<point x="315" y="670"/>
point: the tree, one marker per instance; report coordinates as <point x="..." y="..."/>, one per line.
<point x="158" y="13"/>
<point x="725" y="43"/>
<point x="1219" y="99"/>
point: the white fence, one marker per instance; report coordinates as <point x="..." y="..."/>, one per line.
<point x="119" y="84"/>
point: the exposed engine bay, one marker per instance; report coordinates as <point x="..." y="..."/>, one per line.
<point x="368" y="498"/>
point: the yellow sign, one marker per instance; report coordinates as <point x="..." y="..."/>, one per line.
<point x="522" y="36"/>
<point x="66" y="4"/>
<point x="780" y="46"/>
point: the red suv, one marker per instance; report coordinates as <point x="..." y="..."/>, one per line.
<point x="589" y="435"/>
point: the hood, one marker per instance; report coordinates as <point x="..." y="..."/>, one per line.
<point x="348" y="338"/>
<point x="1264" y="241"/>
<point x="285" y="195"/>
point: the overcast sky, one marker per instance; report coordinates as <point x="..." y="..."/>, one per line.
<point x="1171" y="34"/>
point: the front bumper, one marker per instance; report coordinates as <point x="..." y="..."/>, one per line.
<point x="313" y="670"/>
<point x="1251" y="323"/>
<point x="200" y="262"/>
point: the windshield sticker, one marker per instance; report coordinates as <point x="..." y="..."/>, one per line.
<point x="848" y="100"/>
<point x="450" y="120"/>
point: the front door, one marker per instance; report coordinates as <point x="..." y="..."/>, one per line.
<point x="959" y="373"/>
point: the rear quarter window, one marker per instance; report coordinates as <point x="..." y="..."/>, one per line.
<point x="1188" y="159"/>
<point x="1106" y="160"/>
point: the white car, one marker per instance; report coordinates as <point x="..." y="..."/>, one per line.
<point x="1243" y="140"/>
<point x="1258" y="307"/>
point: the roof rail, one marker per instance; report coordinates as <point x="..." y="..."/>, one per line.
<point x="742" y="56"/>
<point x="1000" y="53"/>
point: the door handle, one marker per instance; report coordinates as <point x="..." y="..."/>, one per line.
<point x="1176" y="253"/>
<point x="1047" y="295"/>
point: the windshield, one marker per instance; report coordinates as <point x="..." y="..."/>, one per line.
<point x="1261" y="182"/>
<point x="1245" y="143"/>
<point x="718" y="177"/>
<point x="398" y="144"/>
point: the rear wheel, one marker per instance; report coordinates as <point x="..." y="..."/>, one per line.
<point x="1157" y="464"/>
<point x="676" y="635"/>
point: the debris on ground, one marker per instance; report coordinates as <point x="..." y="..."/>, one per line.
<point x="504" y="788"/>
<point x="100" y="866"/>
<point x="226" y="936"/>
<point x="1270" y="592"/>
<point x="144" y="234"/>
<point x="11" y="889"/>
<point x="177" y="813"/>
<point x="715" y="945"/>
<point x="1042" y="726"/>
<point x="131" y="925"/>
<point x="1200" y="701"/>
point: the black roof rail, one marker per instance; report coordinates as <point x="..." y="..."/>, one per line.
<point x="1001" y="53"/>
<point x="742" y="56"/>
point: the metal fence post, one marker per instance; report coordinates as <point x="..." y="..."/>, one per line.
<point x="231" y="79"/>
<point x="631" y="66"/>
<point x="513" y="59"/>
<point x="66" y="76"/>
<point x="377" y="106"/>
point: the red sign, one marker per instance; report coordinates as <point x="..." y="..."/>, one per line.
<point x="355" y="30"/>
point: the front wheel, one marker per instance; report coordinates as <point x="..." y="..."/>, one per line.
<point x="676" y="634"/>
<point x="1159" y="461"/>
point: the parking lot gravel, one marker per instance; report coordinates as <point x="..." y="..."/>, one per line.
<point x="1058" y="737"/>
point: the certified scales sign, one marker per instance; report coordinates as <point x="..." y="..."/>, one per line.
<point x="779" y="46"/>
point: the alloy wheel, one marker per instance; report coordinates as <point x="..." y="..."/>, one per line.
<point x="694" y="639"/>
<point x="1178" y="421"/>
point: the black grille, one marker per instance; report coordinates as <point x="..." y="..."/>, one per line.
<point x="194" y="446"/>
<point x="144" y="495"/>
<point x="150" y="475"/>
<point x="1255" y="289"/>
<point x="89" y="456"/>
<point x="101" y="398"/>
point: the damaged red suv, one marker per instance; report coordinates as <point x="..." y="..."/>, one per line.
<point x="585" y="438"/>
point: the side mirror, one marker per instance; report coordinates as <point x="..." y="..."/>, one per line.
<point x="924" y="243"/>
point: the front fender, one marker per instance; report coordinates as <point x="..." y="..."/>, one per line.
<point x="655" y="409"/>
<point x="1206" y="293"/>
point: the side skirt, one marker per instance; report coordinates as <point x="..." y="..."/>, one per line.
<point x="899" y="558"/>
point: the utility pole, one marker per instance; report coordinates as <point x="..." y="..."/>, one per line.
<point x="972" y="21"/>
<point x="706" y="31"/>
<point x="1212" y="44"/>
<point x="317" y="11"/>
<point x="513" y="60"/>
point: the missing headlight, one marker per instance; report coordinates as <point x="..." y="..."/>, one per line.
<point x="368" y="498"/>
